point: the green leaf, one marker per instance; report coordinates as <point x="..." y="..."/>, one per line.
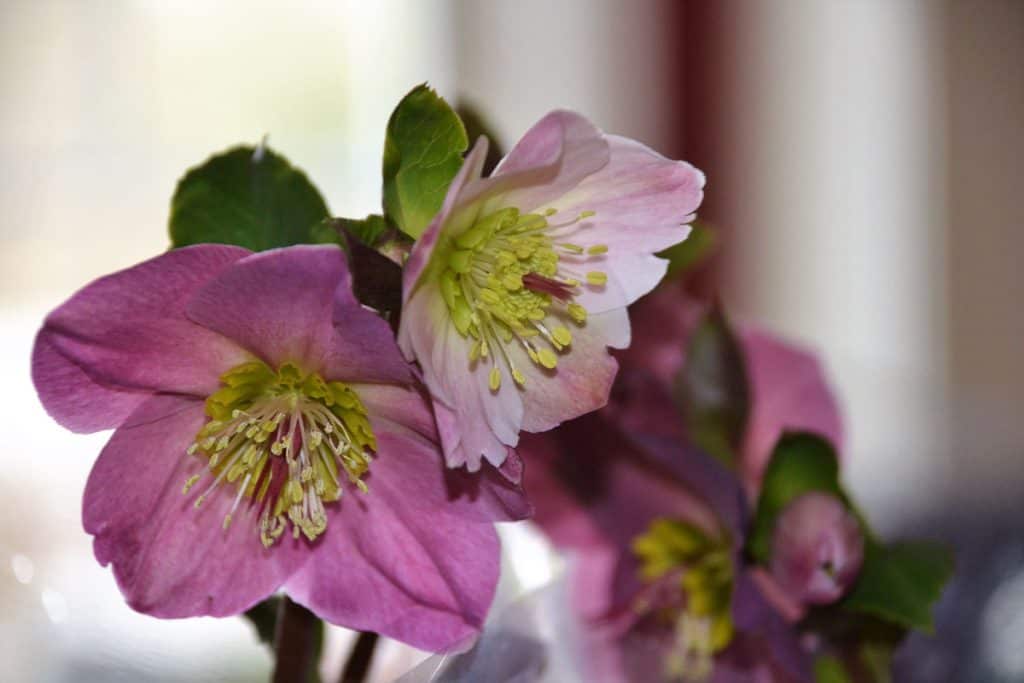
<point x="692" y="251"/>
<point x="712" y="389"/>
<point x="801" y="462"/>
<point x="829" y="669"/>
<point x="423" y="151"/>
<point x="250" y="197"/>
<point x="369" y="230"/>
<point x="901" y="582"/>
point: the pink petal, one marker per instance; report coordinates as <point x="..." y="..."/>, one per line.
<point x="474" y="422"/>
<point x="296" y="304"/>
<point x="563" y="141"/>
<point x="426" y="579"/>
<point x="170" y="559"/>
<point x="642" y="202"/>
<point x="583" y="379"/>
<point x="72" y="398"/>
<point x="789" y="391"/>
<point x="637" y="189"/>
<point x="406" y="431"/>
<point x="126" y="333"/>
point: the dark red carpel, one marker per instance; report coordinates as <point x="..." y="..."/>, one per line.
<point x="545" y="285"/>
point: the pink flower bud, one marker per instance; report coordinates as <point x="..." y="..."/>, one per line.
<point x="817" y="549"/>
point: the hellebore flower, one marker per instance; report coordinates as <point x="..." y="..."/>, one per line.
<point x="817" y="549"/>
<point x="654" y="534"/>
<point x="520" y="284"/>
<point x="788" y="387"/>
<point x="268" y="434"/>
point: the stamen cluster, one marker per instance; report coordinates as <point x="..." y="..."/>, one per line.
<point x="674" y="550"/>
<point x="512" y="278"/>
<point x="282" y="438"/>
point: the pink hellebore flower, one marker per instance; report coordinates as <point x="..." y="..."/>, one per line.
<point x="653" y="531"/>
<point x="268" y="434"/>
<point x="789" y="389"/>
<point x="520" y="284"/>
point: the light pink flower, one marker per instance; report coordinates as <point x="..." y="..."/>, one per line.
<point x="268" y="434"/>
<point x="520" y="284"/>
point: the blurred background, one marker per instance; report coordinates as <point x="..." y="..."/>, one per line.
<point x="864" y="165"/>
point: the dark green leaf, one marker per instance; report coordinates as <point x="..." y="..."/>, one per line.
<point x="422" y="153"/>
<point x="692" y="251"/>
<point x="801" y="462"/>
<point x="712" y="389"/>
<point x="901" y="582"/>
<point x="250" y="197"/>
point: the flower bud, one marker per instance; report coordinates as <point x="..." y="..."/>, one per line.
<point x="817" y="549"/>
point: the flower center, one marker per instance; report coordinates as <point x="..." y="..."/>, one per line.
<point x="671" y="550"/>
<point x="283" y="439"/>
<point x="513" y="278"/>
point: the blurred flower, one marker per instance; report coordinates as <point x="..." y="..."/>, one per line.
<point x="654" y="532"/>
<point x="519" y="285"/>
<point x="789" y="390"/>
<point x="268" y="434"/>
<point x="817" y="549"/>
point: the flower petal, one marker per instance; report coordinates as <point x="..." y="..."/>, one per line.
<point x="74" y="399"/>
<point x="641" y="203"/>
<point x="474" y="422"/>
<point x="170" y="559"/>
<point x="126" y="333"/>
<point x="296" y="304"/>
<point x="639" y="188"/>
<point x="424" y="579"/>
<point x="583" y="379"/>
<point x="406" y="431"/>
<point x="563" y="141"/>
<point x="789" y="392"/>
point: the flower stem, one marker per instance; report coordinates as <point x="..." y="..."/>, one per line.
<point x="358" y="665"/>
<point x="296" y="644"/>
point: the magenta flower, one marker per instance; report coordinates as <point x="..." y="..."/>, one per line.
<point x="268" y="434"/>
<point x="520" y="284"/>
<point x="817" y="549"/>
<point x="789" y="389"/>
<point x="653" y="531"/>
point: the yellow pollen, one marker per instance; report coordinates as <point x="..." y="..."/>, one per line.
<point x="281" y="439"/>
<point x="547" y="358"/>
<point x="562" y="335"/>
<point x="510" y="280"/>
<point x="596" y="278"/>
<point x="701" y="565"/>
<point x="598" y="249"/>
